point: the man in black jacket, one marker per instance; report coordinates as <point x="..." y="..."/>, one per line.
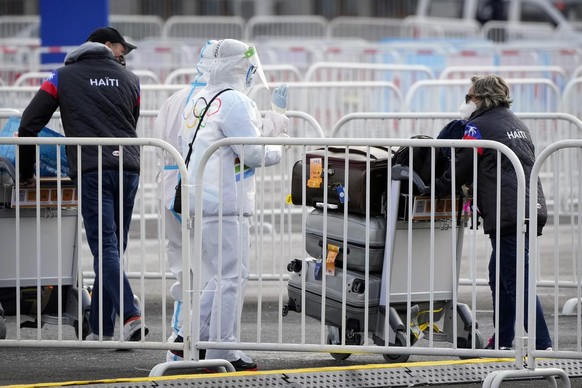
<point x="97" y="97"/>
<point x="486" y="108"/>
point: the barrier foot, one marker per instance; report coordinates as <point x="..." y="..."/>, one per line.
<point x="222" y="366"/>
<point x="494" y="379"/>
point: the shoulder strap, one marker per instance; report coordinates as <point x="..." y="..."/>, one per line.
<point x="200" y="122"/>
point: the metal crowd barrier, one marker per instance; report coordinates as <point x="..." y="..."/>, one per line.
<point x="443" y="95"/>
<point x="433" y="322"/>
<point x="563" y="272"/>
<point x="148" y="212"/>
<point x="50" y="254"/>
<point x="546" y="129"/>
<point x="567" y="228"/>
<point x="344" y="339"/>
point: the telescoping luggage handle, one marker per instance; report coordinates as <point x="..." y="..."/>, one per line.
<point x="361" y="150"/>
<point x="401" y="172"/>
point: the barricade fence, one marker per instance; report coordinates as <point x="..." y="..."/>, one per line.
<point x="327" y="102"/>
<point x="43" y="271"/>
<point x="546" y="128"/>
<point x="443" y="95"/>
<point x="554" y="73"/>
<point x="557" y="263"/>
<point x="425" y="311"/>
<point x="161" y="57"/>
<point x="146" y="27"/>
<point x="403" y="76"/>
<point x="342" y="326"/>
<point x="348" y="88"/>
<point x="300" y="125"/>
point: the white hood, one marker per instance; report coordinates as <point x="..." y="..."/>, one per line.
<point x="235" y="65"/>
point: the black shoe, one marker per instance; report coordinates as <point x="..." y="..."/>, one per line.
<point x="240" y="365"/>
<point x="180" y="353"/>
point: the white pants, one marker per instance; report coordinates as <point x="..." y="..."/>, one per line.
<point x="174" y="251"/>
<point x="225" y="268"/>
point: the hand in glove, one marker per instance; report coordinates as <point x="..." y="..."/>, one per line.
<point x="279" y="98"/>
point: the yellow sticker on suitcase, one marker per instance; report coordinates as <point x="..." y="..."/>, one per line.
<point x="315" y="171"/>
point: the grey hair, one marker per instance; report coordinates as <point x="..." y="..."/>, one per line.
<point x="491" y="91"/>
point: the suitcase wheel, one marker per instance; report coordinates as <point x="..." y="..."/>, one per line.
<point x="86" y="327"/>
<point x="466" y="343"/>
<point x="400" y="340"/>
<point x="333" y="338"/>
<point x="294" y="265"/>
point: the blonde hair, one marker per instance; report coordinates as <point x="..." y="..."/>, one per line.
<point x="491" y="91"/>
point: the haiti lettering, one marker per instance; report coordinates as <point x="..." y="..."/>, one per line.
<point x="104" y="81"/>
<point x="516" y="134"/>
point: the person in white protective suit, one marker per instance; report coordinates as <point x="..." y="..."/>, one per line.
<point x="167" y="127"/>
<point x="228" y="188"/>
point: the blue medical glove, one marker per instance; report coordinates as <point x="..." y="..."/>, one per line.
<point x="279" y="98"/>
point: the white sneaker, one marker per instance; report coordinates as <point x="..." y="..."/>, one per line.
<point x="95" y="337"/>
<point x="173" y="357"/>
<point x="169" y="355"/>
<point x="172" y="336"/>
<point x="132" y="329"/>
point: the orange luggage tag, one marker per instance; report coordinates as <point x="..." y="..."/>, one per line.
<point x="332" y="252"/>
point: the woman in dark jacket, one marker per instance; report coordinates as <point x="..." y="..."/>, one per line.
<point x="486" y="108"/>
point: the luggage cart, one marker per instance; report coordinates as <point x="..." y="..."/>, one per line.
<point x="50" y="247"/>
<point x="395" y="274"/>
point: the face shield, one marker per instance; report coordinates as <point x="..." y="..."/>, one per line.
<point x="255" y="69"/>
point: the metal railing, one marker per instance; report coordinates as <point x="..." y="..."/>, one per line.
<point x="288" y="242"/>
<point x="53" y="252"/>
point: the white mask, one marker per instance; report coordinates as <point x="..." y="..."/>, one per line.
<point x="466" y="109"/>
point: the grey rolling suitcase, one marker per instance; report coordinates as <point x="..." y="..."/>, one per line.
<point x="356" y="239"/>
<point x="355" y="294"/>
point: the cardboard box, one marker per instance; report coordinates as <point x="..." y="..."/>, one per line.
<point x="48" y="194"/>
<point x="422" y="206"/>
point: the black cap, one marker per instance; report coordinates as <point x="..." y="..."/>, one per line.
<point x="108" y="34"/>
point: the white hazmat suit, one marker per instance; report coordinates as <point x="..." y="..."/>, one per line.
<point x="225" y="239"/>
<point x="167" y="127"/>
